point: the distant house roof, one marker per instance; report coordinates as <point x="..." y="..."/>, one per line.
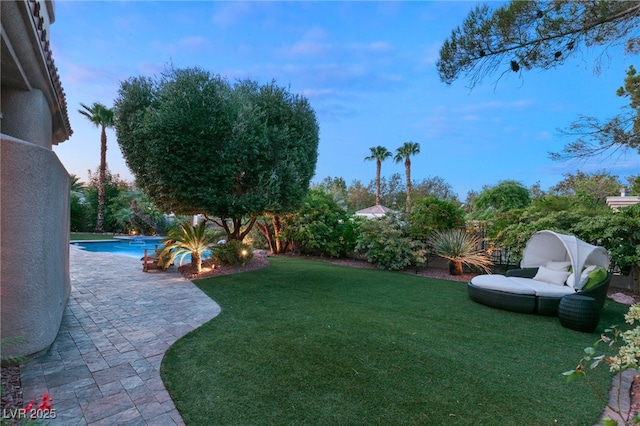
<point x="622" y="201"/>
<point x="374" y="211"/>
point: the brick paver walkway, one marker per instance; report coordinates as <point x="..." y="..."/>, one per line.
<point x="103" y="368"/>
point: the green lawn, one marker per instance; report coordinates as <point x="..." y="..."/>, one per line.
<point x="83" y="236"/>
<point x="308" y="342"/>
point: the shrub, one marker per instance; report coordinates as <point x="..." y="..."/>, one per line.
<point x="627" y="357"/>
<point x="232" y="253"/>
<point x="385" y="242"/>
<point x="321" y="227"/>
<point x="431" y="214"/>
<point x="459" y="247"/>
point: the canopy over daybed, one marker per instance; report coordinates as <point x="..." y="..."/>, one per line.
<point x="545" y="246"/>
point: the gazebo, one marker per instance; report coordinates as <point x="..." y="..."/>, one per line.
<point x="374" y="211"/>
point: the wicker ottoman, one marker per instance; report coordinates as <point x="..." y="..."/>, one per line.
<point x="580" y="313"/>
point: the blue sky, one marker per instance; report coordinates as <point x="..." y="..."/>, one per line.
<point x="368" y="70"/>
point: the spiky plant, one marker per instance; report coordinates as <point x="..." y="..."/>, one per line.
<point x="459" y="247"/>
<point x="188" y="239"/>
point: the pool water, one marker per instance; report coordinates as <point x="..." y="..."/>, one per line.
<point x="130" y="247"/>
<point x="121" y="247"/>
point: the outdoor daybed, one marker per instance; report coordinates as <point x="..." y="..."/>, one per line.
<point x="546" y="276"/>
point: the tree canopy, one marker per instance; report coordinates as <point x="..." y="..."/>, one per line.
<point x="619" y="133"/>
<point x="524" y="35"/>
<point x="589" y="188"/>
<point x="505" y="196"/>
<point x="197" y="144"/>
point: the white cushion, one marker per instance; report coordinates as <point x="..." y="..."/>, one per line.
<point x="551" y="276"/>
<point x="558" y="266"/>
<point x="501" y="283"/>
<point x="547" y="290"/>
<point x="583" y="280"/>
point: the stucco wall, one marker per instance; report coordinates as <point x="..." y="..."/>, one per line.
<point x="26" y="116"/>
<point x="34" y="266"/>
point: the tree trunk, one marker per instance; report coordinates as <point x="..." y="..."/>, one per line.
<point x="101" y="180"/>
<point x="635" y="278"/>
<point x="247" y="229"/>
<point x="378" y="167"/>
<point x="455" y="267"/>
<point x="264" y="229"/>
<point x="407" y="172"/>
<point x="276" y="232"/>
<point x="143" y="217"/>
<point x="197" y="261"/>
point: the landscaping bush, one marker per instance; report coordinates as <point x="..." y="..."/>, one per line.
<point x="321" y="227"/>
<point x="232" y="253"/>
<point x="459" y="247"/>
<point x="429" y="214"/>
<point x="385" y="242"/>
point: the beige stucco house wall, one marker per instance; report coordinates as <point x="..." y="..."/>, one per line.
<point x="34" y="187"/>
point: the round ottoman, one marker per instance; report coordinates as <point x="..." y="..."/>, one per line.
<point x="580" y="313"/>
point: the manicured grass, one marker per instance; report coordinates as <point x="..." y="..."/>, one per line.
<point x="79" y="236"/>
<point x="307" y="342"/>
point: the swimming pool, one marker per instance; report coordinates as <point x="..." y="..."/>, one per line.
<point x="124" y="246"/>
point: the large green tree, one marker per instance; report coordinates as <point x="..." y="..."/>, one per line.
<point x="506" y="195"/>
<point x="525" y="35"/>
<point x="101" y="117"/>
<point x="404" y="153"/>
<point x="197" y="144"/>
<point x="435" y="186"/>
<point x="359" y="196"/>
<point x="378" y="154"/>
<point x="590" y="189"/>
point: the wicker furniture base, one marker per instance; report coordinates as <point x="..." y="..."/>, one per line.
<point x="547" y="305"/>
<point x="502" y="300"/>
<point x="578" y="312"/>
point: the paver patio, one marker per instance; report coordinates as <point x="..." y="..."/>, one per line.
<point x="104" y="366"/>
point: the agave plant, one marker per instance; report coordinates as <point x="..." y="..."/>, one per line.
<point x="188" y="239"/>
<point x="459" y="247"/>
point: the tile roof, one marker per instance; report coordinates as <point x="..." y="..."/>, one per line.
<point x="39" y="21"/>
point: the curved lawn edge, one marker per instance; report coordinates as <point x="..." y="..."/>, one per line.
<point x="308" y="341"/>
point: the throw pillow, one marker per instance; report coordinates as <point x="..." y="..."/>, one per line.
<point x="580" y="284"/>
<point x="558" y="266"/>
<point x="551" y="276"/>
<point x="595" y="277"/>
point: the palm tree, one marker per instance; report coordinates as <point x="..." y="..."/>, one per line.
<point x="76" y="184"/>
<point x="404" y="153"/>
<point x="189" y="239"/>
<point x="102" y="117"/>
<point x="378" y="153"/>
